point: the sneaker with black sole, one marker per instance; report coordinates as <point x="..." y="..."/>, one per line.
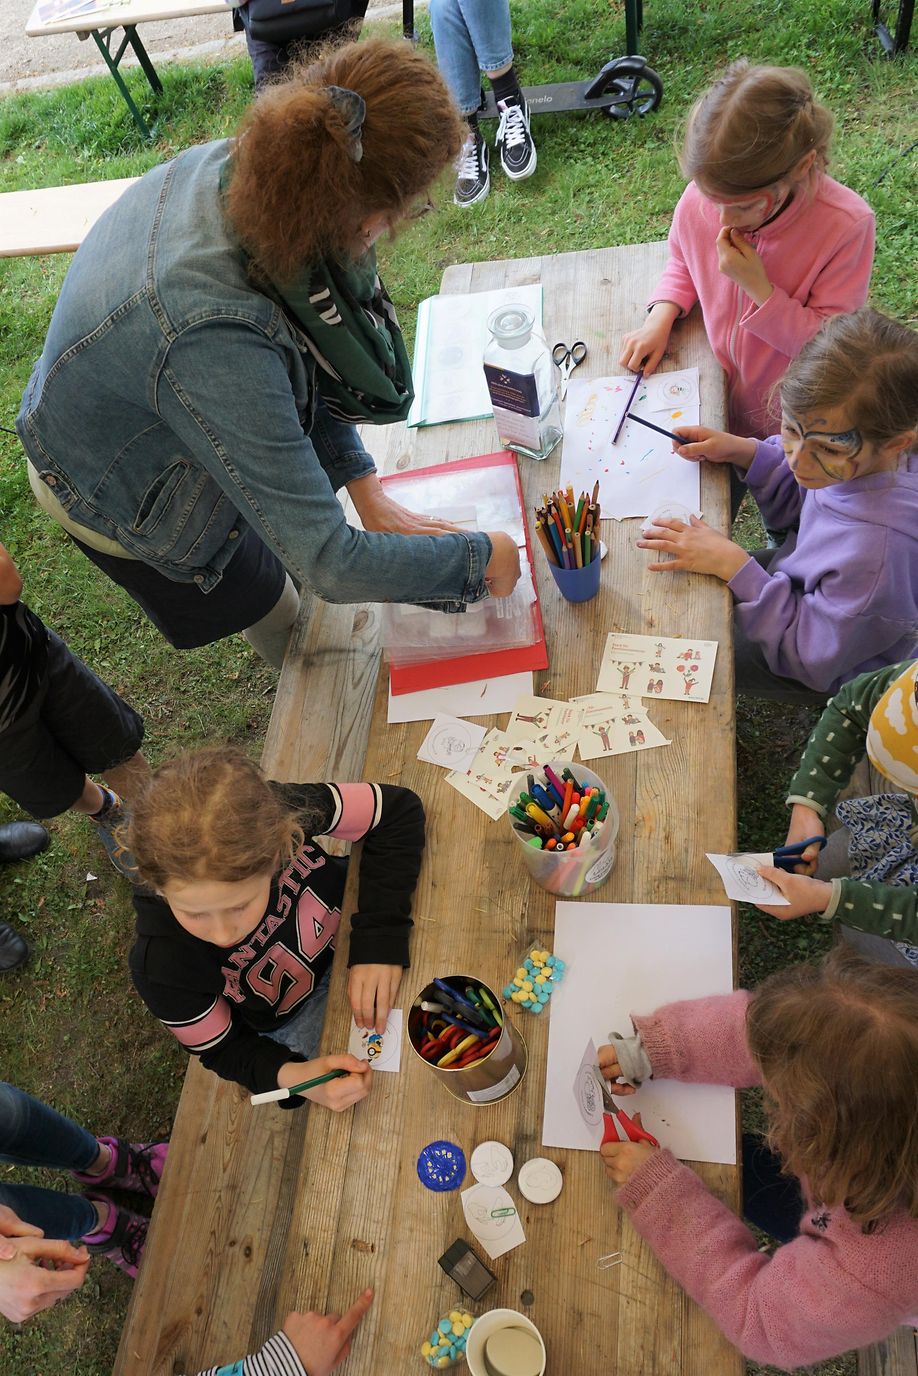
<point x="112" y="818"/>
<point x="473" y="179"/>
<point x="514" y="139"/>
<point x="134" y="1166"/>
<point x="123" y="1238"/>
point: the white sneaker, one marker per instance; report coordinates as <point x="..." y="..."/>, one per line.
<point x="473" y="179"/>
<point x="514" y="139"/>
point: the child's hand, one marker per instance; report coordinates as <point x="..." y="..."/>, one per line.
<point x="715" y="445"/>
<point x="370" y="990"/>
<point x="805" y="896"/>
<point x="336" y="1094"/>
<point x="646" y="346"/>
<point x="622" y="1159"/>
<point x="322" y="1341"/>
<point x="609" y="1068"/>
<point x="738" y="260"/>
<point x="804" y="822"/>
<point x="696" y="548"/>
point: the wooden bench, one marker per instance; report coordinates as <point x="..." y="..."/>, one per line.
<point x="897" y="1355"/>
<point x="55" y="220"/>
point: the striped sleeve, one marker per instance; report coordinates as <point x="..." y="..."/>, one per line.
<point x="206" y="1030"/>
<point x="357" y="810"/>
<point x="277" y="1358"/>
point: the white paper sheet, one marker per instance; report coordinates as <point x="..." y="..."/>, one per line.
<point x="451" y="742"/>
<point x="742" y="881"/>
<point x="383" y="1051"/>
<point x="640" y="470"/>
<point x="624" y="957"/>
<point x="491" y="1215"/>
<point x="481" y="698"/>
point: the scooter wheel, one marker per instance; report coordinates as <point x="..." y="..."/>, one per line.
<point x="637" y="93"/>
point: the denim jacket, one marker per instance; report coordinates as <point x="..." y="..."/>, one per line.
<point x="174" y="401"/>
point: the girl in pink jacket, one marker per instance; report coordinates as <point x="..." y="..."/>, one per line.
<point x="835" y="1046"/>
<point x="762" y="238"/>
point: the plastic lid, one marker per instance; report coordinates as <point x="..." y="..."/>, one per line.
<point x="513" y="1352"/>
<point x="511" y="325"/>
<point x="441" y="1166"/>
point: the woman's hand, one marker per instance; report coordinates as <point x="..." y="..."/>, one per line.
<point x="738" y="260"/>
<point x="322" y="1341"/>
<point x="805" y="895"/>
<point x="337" y="1094"/>
<point x="805" y="821"/>
<point x="696" y="548"/>
<point x="370" y="991"/>
<point x="716" y="446"/>
<point x="610" y="1070"/>
<point x="503" y="571"/>
<point x="622" y="1159"/>
<point x="644" y="348"/>
<point x="36" y="1272"/>
<point x="378" y="512"/>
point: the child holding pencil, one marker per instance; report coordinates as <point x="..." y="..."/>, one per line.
<point x="763" y="238"/>
<point x="235" y="941"/>
<point x="840" y="596"/>
<point x="834" y="1046"/>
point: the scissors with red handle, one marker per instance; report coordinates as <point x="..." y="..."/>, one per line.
<point x="613" y="1115"/>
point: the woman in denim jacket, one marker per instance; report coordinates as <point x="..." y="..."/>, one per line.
<point x="218" y="336"/>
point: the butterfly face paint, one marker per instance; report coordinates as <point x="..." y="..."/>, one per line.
<point x="754" y="208"/>
<point x="819" y="455"/>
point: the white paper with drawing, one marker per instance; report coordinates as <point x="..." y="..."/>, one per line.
<point x="451" y="742"/>
<point x="639" y="471"/>
<point x="382" y="1049"/>
<point x="624" y="958"/>
<point x="742" y="881"/>
<point x="657" y="666"/>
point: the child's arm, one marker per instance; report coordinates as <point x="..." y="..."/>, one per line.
<point x="10" y="581"/>
<point x="786" y="325"/>
<point x="390" y="821"/>
<point x="672" y="297"/>
<point x="883" y="909"/>
<point x="700" y="1041"/>
<point x="801" y="1305"/>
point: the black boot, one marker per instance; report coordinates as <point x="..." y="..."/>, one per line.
<point x="19" y="840"/>
<point x="13" y="950"/>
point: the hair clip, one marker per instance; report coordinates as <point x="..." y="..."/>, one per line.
<point x="353" y="111"/>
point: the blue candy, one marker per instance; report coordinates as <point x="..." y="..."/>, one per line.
<point x="508" y="991"/>
<point x="550" y="960"/>
<point x="536" y="1007"/>
<point x="445" y="1326"/>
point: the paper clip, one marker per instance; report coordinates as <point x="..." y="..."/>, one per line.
<point x="609" y="1260"/>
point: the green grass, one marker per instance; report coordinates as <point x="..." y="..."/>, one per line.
<point x="73" y="1032"/>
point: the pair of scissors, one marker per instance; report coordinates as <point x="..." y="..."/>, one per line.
<point x="612" y="1115"/>
<point x="786" y="857"/>
<point x="567" y="359"/>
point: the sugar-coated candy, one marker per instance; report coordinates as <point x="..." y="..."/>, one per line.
<point x="508" y="991"/>
<point x="550" y="960"/>
<point x="560" y="964"/>
<point x="447" y="1341"/>
<point x="536" y="1007"/>
<point x="444" y="1325"/>
<point x="454" y="1316"/>
<point x="458" y="1328"/>
<point x="435" y="1337"/>
<point x="425" y="1349"/>
<point x="521" y="972"/>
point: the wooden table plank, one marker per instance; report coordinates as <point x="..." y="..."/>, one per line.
<point x="476" y="911"/>
<point x="55" y="219"/>
<point x="127" y="12"/>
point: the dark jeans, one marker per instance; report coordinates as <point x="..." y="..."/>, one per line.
<point x="771" y="1201"/>
<point x="753" y="676"/>
<point x="32" y="1134"/>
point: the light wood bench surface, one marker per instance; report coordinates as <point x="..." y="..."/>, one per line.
<point x="262" y="1211"/>
<point x="55" y="220"/>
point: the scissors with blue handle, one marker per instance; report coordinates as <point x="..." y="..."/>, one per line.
<point x="567" y="359"/>
<point x="787" y="857"/>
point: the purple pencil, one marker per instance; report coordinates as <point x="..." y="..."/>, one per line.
<point x="627" y="407"/>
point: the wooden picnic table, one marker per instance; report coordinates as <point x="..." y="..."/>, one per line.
<point x="261" y="1211"/>
<point x="102" y="25"/>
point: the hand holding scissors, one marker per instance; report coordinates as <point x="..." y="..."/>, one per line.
<point x="788" y="857"/>
<point x="613" y="1115"/>
<point x="567" y="359"/>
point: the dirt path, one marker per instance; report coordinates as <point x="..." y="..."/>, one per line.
<point x="30" y="62"/>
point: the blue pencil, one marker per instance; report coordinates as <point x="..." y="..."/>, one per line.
<point x="680" y="439"/>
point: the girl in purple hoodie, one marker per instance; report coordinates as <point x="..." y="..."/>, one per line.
<point x="834" y="1046"/>
<point x="840" y="595"/>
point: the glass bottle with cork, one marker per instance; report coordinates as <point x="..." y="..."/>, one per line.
<point x="521" y="383"/>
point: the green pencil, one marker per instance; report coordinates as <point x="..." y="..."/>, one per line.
<point x="271" y="1096"/>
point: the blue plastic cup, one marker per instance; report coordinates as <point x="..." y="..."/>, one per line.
<point x="578" y="585"/>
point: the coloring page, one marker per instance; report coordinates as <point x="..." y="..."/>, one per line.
<point x="743" y="882"/>
<point x="617" y="731"/>
<point x="658" y="667"/>
<point x="451" y="742"/>
<point x="639" y="471"/>
<point x="492" y="1217"/>
<point x="587" y="1094"/>
<point x="382" y="1050"/>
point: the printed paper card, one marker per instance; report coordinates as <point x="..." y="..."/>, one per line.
<point x="657" y="667"/>
<point x="742" y="881"/>
<point x="491" y="1215"/>
<point x="452" y="742"/>
<point x="639" y="470"/>
<point x="617" y="729"/>
<point x="551" y="725"/>
<point x="383" y="1050"/>
<point x="490" y="778"/>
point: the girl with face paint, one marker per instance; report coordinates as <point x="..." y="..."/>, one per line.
<point x="763" y="239"/>
<point x="840" y="596"/>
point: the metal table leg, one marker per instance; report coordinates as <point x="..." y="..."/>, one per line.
<point x="103" y="39"/>
<point x="898" y="42"/>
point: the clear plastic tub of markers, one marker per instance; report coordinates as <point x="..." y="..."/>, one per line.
<point x="578" y="869"/>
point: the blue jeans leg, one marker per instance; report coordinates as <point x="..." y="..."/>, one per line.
<point x="33" y="1134"/>
<point x="471" y="37"/>
<point x="302" y="1032"/>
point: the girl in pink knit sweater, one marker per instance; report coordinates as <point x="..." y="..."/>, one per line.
<point x="835" y="1047"/>
<point x="762" y="238"/>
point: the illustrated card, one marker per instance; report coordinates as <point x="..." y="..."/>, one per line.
<point x="552" y="725"/>
<point x="617" y="731"/>
<point x="678" y="669"/>
<point x="742" y="880"/>
<point x="382" y="1050"/>
<point x="452" y="742"/>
